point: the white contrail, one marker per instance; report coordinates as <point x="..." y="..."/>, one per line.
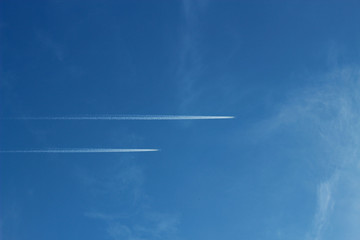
<point x="82" y="150"/>
<point x="127" y="117"/>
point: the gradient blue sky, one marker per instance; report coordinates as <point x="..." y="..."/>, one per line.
<point x="286" y="168"/>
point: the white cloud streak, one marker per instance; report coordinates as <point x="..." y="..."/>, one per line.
<point x="125" y="118"/>
<point x="82" y="150"/>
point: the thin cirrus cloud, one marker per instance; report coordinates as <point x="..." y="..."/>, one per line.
<point x="332" y="108"/>
<point x="82" y="150"/>
<point x="126" y="117"/>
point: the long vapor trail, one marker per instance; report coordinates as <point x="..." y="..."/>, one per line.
<point x="82" y="150"/>
<point x="126" y="117"/>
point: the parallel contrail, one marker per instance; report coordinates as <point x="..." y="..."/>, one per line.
<point x="82" y="150"/>
<point x="127" y="117"/>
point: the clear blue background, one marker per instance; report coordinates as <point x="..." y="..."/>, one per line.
<point x="286" y="168"/>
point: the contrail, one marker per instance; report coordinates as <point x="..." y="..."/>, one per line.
<point x="126" y="117"/>
<point x="82" y="150"/>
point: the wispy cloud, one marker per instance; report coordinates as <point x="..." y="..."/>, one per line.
<point x="324" y="206"/>
<point x="190" y="62"/>
<point x="52" y="45"/>
<point x="153" y="226"/>
<point x="126" y="118"/>
<point x="103" y="216"/>
<point x="82" y="150"/>
<point x="128" y="214"/>
<point x="333" y="109"/>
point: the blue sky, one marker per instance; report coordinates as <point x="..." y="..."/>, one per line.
<point x="287" y="167"/>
